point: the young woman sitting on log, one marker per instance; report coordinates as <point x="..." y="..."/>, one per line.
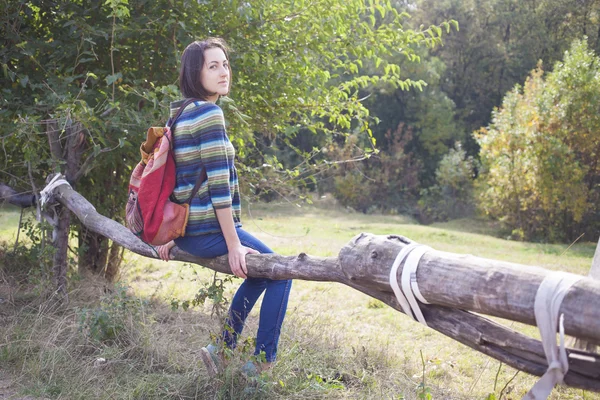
<point x="214" y="228"/>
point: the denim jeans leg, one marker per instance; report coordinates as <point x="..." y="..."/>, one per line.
<point x="272" y="314"/>
<point x="243" y="301"/>
<point x="274" y="304"/>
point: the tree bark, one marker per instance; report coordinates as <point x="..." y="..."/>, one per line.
<point x="18" y="199"/>
<point x="93" y="252"/>
<point x="114" y="262"/>
<point x="594" y="274"/>
<point x="73" y="150"/>
<point x="454" y="284"/>
<point x="66" y="147"/>
<point x="60" y="243"/>
<point x="497" y="288"/>
<point x="61" y="219"/>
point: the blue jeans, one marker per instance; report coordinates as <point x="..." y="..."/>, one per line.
<point x="274" y="304"/>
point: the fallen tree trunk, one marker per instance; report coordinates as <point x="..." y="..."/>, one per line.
<point x="454" y="284"/>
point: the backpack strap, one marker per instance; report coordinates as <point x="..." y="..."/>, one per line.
<point x="203" y="175"/>
<point x="186" y="103"/>
<point x="201" y="179"/>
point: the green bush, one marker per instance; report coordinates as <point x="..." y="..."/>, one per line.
<point x="386" y="182"/>
<point x="30" y="259"/>
<point x="539" y="155"/>
<point x="115" y="319"/>
<point x="452" y="195"/>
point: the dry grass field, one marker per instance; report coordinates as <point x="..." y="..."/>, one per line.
<point x="127" y="342"/>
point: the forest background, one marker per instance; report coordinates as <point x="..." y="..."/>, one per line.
<point x="433" y="110"/>
<point x="353" y="99"/>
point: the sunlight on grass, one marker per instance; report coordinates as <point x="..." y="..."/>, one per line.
<point x="336" y="342"/>
<point x="329" y="317"/>
<point x="9" y="220"/>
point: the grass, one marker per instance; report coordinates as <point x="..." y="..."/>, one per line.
<point x="336" y="343"/>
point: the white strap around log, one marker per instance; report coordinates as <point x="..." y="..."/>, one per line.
<point x="46" y="193"/>
<point x="412" y="253"/>
<point x="45" y="196"/>
<point x="548" y="299"/>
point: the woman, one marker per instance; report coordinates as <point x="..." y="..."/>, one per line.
<point x="214" y="227"/>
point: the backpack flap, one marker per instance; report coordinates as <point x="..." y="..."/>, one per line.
<point x="153" y="135"/>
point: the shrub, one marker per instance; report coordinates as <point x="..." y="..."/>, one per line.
<point x="539" y="155"/>
<point x="386" y="182"/>
<point x="452" y="195"/>
<point x="30" y="260"/>
<point x="115" y="319"/>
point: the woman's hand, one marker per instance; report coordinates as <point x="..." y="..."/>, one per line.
<point x="235" y="250"/>
<point x="163" y="251"/>
<point x="237" y="260"/>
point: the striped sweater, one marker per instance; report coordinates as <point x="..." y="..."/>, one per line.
<point x="200" y="141"/>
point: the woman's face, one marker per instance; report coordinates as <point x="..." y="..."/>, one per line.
<point x="214" y="75"/>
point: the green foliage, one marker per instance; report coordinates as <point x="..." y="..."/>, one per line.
<point x="17" y="263"/>
<point x="213" y="291"/>
<point x="112" y="67"/>
<point x="29" y="260"/>
<point x="428" y="112"/>
<point x="499" y="42"/>
<point x="285" y="77"/>
<point x="452" y="195"/>
<point x="538" y="155"/>
<point x="385" y="182"/>
<point x="114" y="318"/>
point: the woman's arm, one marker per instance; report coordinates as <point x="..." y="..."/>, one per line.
<point x="236" y="252"/>
<point x="213" y="148"/>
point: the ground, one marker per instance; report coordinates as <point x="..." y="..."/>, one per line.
<point x="336" y="343"/>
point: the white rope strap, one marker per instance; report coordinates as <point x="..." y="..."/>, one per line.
<point x="548" y="299"/>
<point x="46" y="193"/>
<point x="409" y="281"/>
<point x="412" y="253"/>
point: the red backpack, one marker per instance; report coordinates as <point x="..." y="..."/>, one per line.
<point x="150" y="213"/>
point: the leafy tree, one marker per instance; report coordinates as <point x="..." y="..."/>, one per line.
<point x="452" y="195"/>
<point x="427" y="110"/>
<point x="538" y="154"/>
<point x="112" y="67"/>
<point x="499" y="42"/>
<point x="387" y="182"/>
<point x="571" y="107"/>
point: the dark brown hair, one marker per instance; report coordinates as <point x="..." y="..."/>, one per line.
<point x="192" y="62"/>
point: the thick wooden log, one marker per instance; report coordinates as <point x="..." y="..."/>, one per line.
<point x="452" y="283"/>
<point x="497" y="341"/>
<point x="491" y="287"/>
